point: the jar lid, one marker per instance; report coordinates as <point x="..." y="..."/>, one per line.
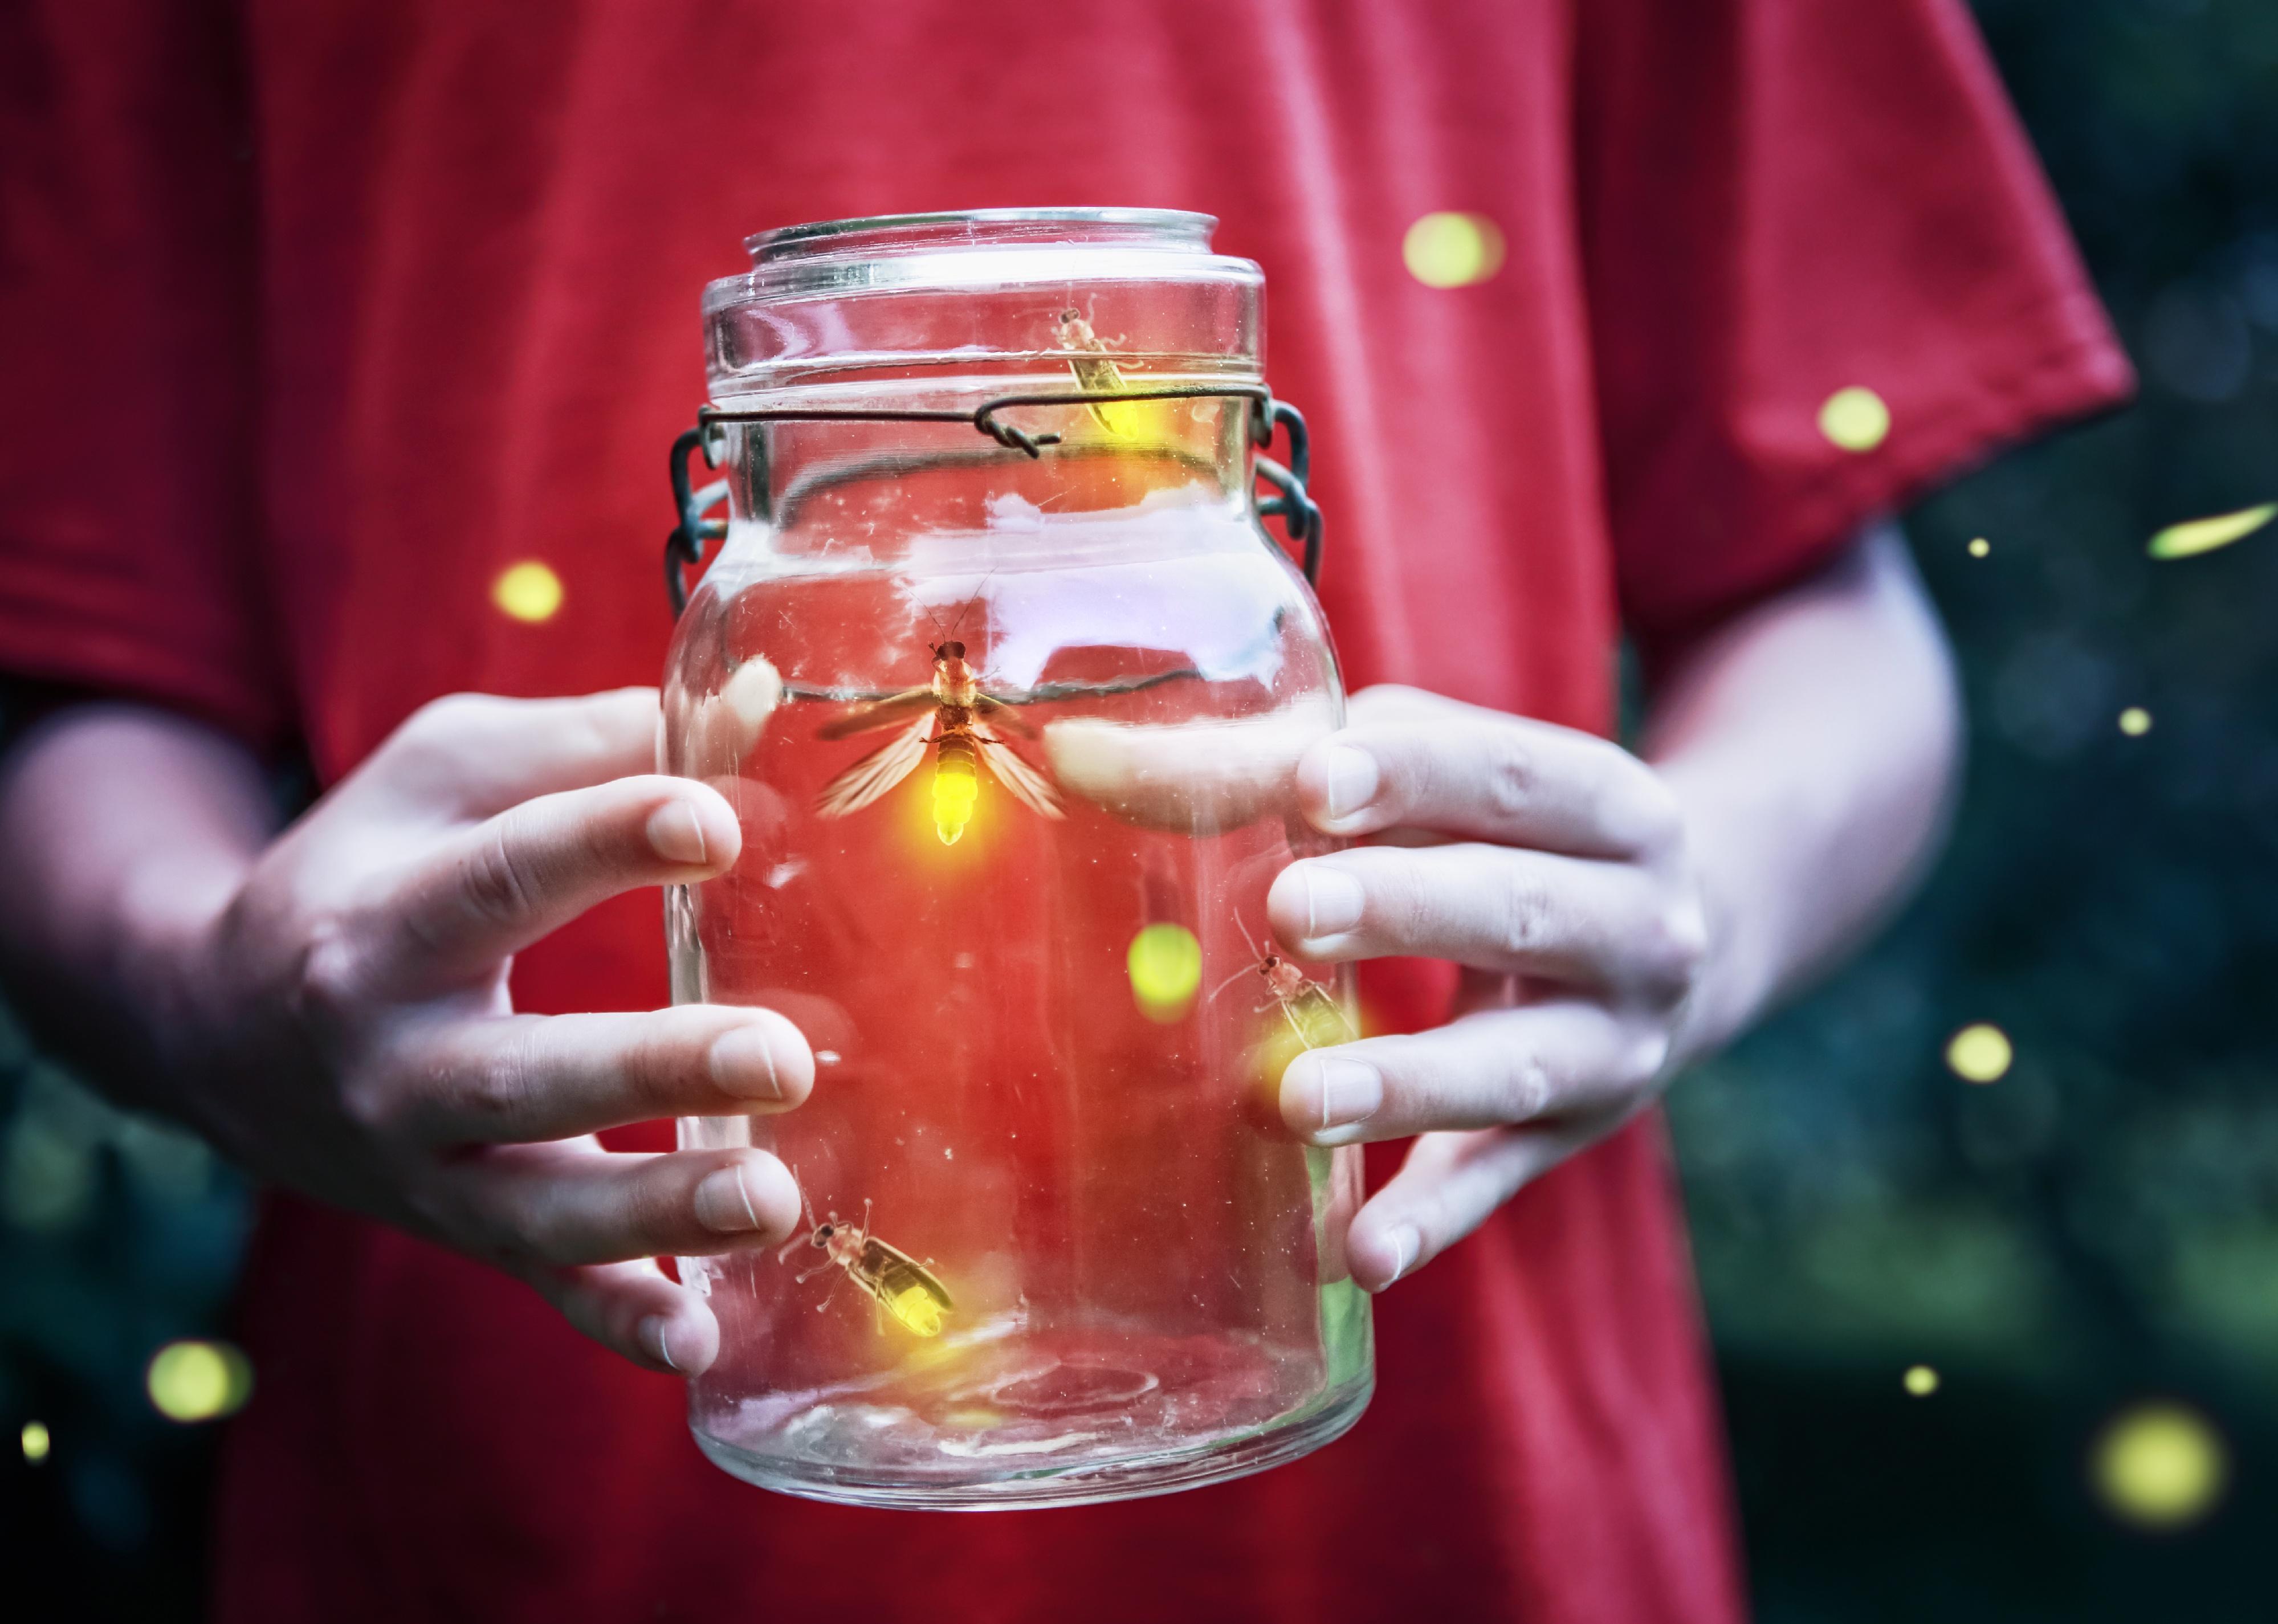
<point x="979" y="248"/>
<point x="980" y="289"/>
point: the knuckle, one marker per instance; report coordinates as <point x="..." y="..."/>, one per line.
<point x="1643" y="1060"/>
<point x="501" y="1095"/>
<point x="449" y="718"/>
<point x="653" y="1212"/>
<point x="1522" y="915"/>
<point x="1510" y="781"/>
<point x="499" y="883"/>
<point x="1643" y="810"/>
<point x="330" y="982"/>
<point x="1529" y="1089"/>
<point x="371" y="1105"/>
<point x="1677" y="945"/>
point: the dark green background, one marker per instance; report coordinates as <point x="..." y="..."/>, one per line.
<point x="2099" y="1226"/>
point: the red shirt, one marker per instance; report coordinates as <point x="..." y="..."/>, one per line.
<point x="316" y="318"/>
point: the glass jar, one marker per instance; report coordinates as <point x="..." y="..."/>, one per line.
<point x="1005" y="683"/>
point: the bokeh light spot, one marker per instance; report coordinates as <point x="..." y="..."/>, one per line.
<point x="1166" y="967"/>
<point x="35" y="1441"/>
<point x="2159" y="1465"/>
<point x="199" y="1381"/>
<point x="2206" y="535"/>
<point x="1855" y="419"/>
<point x="1979" y="1052"/>
<point x="1921" y="1381"/>
<point x="2134" y="722"/>
<point x="1979" y="547"/>
<point x="1452" y="250"/>
<point x="527" y="592"/>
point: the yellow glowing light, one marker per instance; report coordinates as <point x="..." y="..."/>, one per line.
<point x="35" y="1441"/>
<point x="199" y="1381"/>
<point x="2134" y="722"/>
<point x="1979" y="1052"/>
<point x="527" y="592"/>
<point x="955" y="789"/>
<point x="1979" y="547"/>
<point x="1855" y="419"/>
<point x="915" y="1307"/>
<point x="2206" y="535"/>
<point x="1166" y="963"/>
<point x="1921" y="1381"/>
<point x="2159" y="1465"/>
<point x="1452" y="250"/>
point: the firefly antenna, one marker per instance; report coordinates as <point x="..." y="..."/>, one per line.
<point x="1229" y="982"/>
<point x="1246" y="941"/>
<point x="970" y="602"/>
<point x="805" y="1206"/>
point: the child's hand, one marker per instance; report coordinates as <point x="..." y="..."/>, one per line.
<point x="349" y="1032"/>
<point x="1550" y="863"/>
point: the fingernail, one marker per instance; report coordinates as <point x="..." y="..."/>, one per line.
<point x="1352" y="779"/>
<point x="1407" y="1246"/>
<point x="1339" y="1095"/>
<point x="743" y="1062"/>
<point x="1333" y="901"/>
<point x="650" y="1334"/>
<point x="674" y="835"/>
<point x="724" y="1205"/>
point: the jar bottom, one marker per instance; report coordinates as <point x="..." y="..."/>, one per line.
<point x="1060" y="1421"/>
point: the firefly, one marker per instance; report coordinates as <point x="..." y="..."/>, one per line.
<point x="897" y="1282"/>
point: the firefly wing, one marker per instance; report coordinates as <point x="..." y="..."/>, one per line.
<point x="895" y="1271"/>
<point x="876" y="773"/>
<point x="1001" y="712"/>
<point x="1316" y="1018"/>
<point x="878" y="713"/>
<point x="1027" y="786"/>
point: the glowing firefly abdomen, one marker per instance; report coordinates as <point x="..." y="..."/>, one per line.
<point x="956" y="780"/>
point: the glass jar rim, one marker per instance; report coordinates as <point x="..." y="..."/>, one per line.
<point x="1171" y="228"/>
<point x="976" y="247"/>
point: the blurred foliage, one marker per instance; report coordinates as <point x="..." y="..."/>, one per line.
<point x="2099" y="1226"/>
<point x="116" y="1236"/>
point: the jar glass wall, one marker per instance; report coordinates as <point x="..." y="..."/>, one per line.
<point x="1011" y="737"/>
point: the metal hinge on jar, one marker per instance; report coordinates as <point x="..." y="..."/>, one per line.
<point x="1300" y="515"/>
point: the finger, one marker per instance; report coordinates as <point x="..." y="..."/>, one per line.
<point x="493" y="890"/>
<point x="549" y="1077"/>
<point x="476" y="754"/>
<point x="1448" y="1186"/>
<point x="571" y="1203"/>
<point x="1489" y="1069"/>
<point x="1388" y="703"/>
<point x="1194" y="777"/>
<point x="1486" y="776"/>
<point x="632" y="1310"/>
<point x="1492" y="908"/>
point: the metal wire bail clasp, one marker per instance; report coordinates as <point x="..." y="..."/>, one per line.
<point x="1300" y="515"/>
<point x="1299" y="512"/>
<point x="685" y="546"/>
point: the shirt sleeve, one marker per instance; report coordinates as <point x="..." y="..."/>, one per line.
<point x="1785" y="203"/>
<point x="128" y="561"/>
